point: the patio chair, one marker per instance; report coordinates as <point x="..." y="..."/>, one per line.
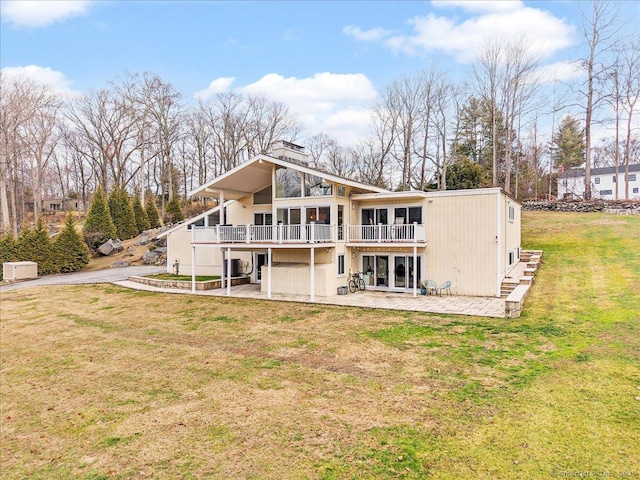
<point x="431" y="286"/>
<point x="446" y="286"/>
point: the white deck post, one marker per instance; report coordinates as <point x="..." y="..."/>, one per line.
<point x="193" y="268"/>
<point x="269" y="272"/>
<point x="222" y="276"/>
<point x="415" y="271"/>
<point x="228" y="271"/>
<point x="312" y="268"/>
<point x="223" y="220"/>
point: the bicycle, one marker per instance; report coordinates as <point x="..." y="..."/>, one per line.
<point x="356" y="282"/>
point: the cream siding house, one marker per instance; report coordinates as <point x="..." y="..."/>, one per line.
<point x="297" y="230"/>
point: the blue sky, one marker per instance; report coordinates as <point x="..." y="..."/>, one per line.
<point x="328" y="60"/>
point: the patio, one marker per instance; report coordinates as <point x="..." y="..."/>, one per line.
<point x="457" y="305"/>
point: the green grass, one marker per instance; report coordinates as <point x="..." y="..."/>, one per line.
<point x="101" y="382"/>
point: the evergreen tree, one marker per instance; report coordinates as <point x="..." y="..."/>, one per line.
<point x="174" y="211"/>
<point x="122" y="214"/>
<point x="464" y="174"/>
<point x="8" y="250"/>
<point x="98" y="226"/>
<point x="34" y="245"/>
<point x="569" y="144"/>
<point x="140" y="214"/>
<point x="152" y="211"/>
<point x="70" y="250"/>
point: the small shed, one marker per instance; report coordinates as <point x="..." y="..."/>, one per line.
<point x="19" y="270"/>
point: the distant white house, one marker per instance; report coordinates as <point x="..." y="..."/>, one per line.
<point x="606" y="183"/>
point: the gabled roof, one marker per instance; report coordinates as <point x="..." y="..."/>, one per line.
<point x="579" y="172"/>
<point x="189" y="221"/>
<point x="255" y="174"/>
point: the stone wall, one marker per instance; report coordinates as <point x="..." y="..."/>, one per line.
<point x="617" y="207"/>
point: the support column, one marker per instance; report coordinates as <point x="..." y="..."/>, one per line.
<point x="269" y="272"/>
<point x="222" y="276"/>
<point x="312" y="269"/>
<point x="193" y="268"/>
<point x="415" y="271"/>
<point x="223" y="220"/>
<point x="228" y="271"/>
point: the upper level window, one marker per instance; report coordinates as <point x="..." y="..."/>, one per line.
<point x="288" y="183"/>
<point x="597" y="180"/>
<point x="263" y="196"/>
<point x="614" y="179"/>
<point x="315" y="186"/>
<point x="632" y="177"/>
<point x="512" y="213"/>
<point x="341" y="191"/>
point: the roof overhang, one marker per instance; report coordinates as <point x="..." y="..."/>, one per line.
<point x="256" y="174"/>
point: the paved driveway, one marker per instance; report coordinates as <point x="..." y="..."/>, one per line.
<point x="98" y="276"/>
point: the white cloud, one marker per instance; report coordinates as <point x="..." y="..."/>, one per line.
<point x="371" y="35"/>
<point x="41" y="13"/>
<point x="480" y="5"/>
<point x="559" y="72"/>
<point x="44" y="76"/>
<point x="336" y="104"/>
<point x="219" y="85"/>
<point x="464" y="39"/>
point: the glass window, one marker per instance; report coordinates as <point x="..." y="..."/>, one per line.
<point x="400" y="216"/>
<point x="340" y="222"/>
<point x="315" y="186"/>
<point x="288" y="183"/>
<point x="632" y="177"/>
<point x="367" y="216"/>
<point x="341" y="191"/>
<point x="415" y="215"/>
<point x="597" y="180"/>
<point x="341" y="264"/>
<point x="263" y="196"/>
<point x="635" y="190"/>
<point x="614" y="179"/>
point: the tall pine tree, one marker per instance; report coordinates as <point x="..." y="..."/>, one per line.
<point x="34" y="245"/>
<point x="140" y="214"/>
<point x="152" y="211"/>
<point x="174" y="210"/>
<point x="8" y="250"/>
<point x="122" y="214"/>
<point x="98" y="226"/>
<point x="71" y="252"/>
<point x="569" y="144"/>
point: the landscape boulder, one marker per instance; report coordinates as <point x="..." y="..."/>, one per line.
<point x="153" y="257"/>
<point x="121" y="264"/>
<point x="110" y="247"/>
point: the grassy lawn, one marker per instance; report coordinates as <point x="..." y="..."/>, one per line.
<point x="103" y="382"/>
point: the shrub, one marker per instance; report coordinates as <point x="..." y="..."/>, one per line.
<point x="98" y="226"/>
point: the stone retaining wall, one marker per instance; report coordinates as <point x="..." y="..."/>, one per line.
<point x="617" y="207"/>
<point x="186" y="284"/>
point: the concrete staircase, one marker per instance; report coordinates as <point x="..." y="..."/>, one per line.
<point x="516" y="285"/>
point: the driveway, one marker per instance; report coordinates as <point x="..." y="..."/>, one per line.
<point x="98" y="276"/>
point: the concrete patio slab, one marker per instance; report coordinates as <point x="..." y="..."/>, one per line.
<point x="456" y="305"/>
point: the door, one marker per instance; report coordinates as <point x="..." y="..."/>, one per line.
<point x="382" y="270"/>
<point x="261" y="259"/>
<point x="400" y="272"/>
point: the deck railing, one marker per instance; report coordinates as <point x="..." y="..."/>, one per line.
<point x="410" y="233"/>
<point x="310" y="233"/>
